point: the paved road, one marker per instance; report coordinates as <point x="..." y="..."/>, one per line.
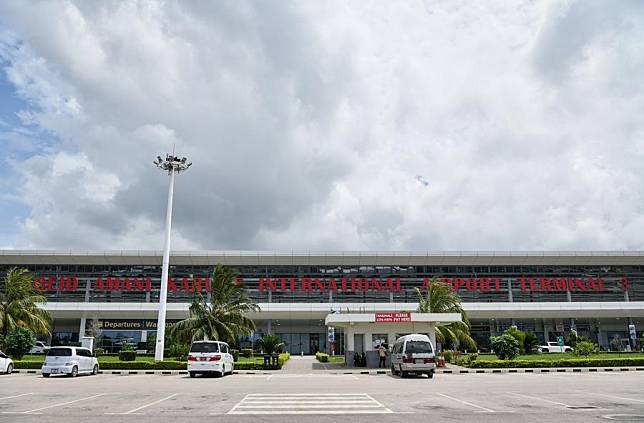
<point x="564" y="397"/>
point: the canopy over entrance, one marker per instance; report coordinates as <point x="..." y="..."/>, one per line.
<point x="364" y="332"/>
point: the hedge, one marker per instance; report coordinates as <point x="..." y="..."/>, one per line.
<point x="566" y="362"/>
<point x="148" y="365"/>
<point x="322" y="357"/>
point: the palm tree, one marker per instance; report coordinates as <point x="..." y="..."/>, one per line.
<point x="19" y="304"/>
<point x="270" y="344"/>
<point x="441" y="298"/>
<point x="222" y="319"/>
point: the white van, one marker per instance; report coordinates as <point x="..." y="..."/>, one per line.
<point x="210" y="357"/>
<point x="70" y="361"/>
<point x="413" y="354"/>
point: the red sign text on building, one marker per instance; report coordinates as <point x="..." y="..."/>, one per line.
<point x="393" y="317"/>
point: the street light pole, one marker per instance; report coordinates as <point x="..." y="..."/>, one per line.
<point x="171" y="164"/>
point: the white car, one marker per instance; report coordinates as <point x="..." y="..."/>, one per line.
<point x="413" y="354"/>
<point x="39" y="348"/>
<point x="6" y="364"/>
<point x="70" y="361"/>
<point x="553" y="347"/>
<point x="210" y="357"/>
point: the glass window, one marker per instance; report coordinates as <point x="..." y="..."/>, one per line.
<point x="224" y="348"/>
<point x="418" y="347"/>
<point x="59" y="352"/>
<point x="205" y="347"/>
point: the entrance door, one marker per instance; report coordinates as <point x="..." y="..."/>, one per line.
<point x="314" y="343"/>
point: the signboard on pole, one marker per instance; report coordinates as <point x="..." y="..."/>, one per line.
<point x="331" y="334"/>
<point x="393" y="317"/>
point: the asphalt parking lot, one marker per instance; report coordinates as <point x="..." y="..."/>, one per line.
<point x="565" y="397"/>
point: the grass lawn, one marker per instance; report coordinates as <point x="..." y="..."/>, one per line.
<point x="558" y="356"/>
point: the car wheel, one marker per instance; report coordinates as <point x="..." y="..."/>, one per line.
<point x="10" y="369"/>
<point x="193" y="374"/>
<point x="232" y="368"/>
<point x="544" y="350"/>
<point x="74" y="372"/>
<point x="219" y="374"/>
<point x="223" y="370"/>
<point x="45" y="375"/>
<point x="95" y="370"/>
<point x="430" y="375"/>
<point x="567" y="350"/>
<point x="404" y="374"/>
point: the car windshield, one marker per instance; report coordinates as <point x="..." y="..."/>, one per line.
<point x="418" y="347"/>
<point x="205" y="347"/>
<point x="59" y="352"/>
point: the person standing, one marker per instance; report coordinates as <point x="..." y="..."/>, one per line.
<point x="382" y="353"/>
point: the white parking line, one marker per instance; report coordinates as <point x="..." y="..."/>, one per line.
<point x="489" y="410"/>
<point x="607" y="396"/>
<point x="15" y="396"/>
<point x="60" y="404"/>
<point x="145" y="406"/>
<point x="540" y="399"/>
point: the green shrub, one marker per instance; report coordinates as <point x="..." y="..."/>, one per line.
<point x="246" y="352"/>
<point x="19" y="342"/>
<point x="447" y="355"/>
<point x="564" y="362"/>
<point x="126" y="347"/>
<point x="322" y="357"/>
<point x="235" y="354"/>
<point x="585" y="348"/>
<point x="471" y="358"/>
<point x="506" y="346"/>
<point x="178" y="351"/>
<point x="127" y="355"/>
<point x="530" y="343"/>
<point x="518" y="335"/>
<point x="99" y="352"/>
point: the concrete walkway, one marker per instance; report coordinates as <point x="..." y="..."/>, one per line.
<point x="298" y="364"/>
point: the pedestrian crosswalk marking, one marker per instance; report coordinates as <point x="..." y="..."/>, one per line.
<point x="309" y="404"/>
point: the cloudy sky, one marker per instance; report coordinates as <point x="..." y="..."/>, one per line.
<point x="331" y="125"/>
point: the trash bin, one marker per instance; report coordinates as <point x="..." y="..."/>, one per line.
<point x="267" y="361"/>
<point x="274" y="361"/>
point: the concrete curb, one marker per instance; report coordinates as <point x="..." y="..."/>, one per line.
<point x="377" y="372"/>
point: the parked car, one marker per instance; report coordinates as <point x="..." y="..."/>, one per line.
<point x="39" y="348"/>
<point x="210" y="357"/>
<point x="70" y="361"/>
<point x="6" y="364"/>
<point x="413" y="354"/>
<point x="553" y="347"/>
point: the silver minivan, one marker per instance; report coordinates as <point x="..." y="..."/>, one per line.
<point x="413" y="354"/>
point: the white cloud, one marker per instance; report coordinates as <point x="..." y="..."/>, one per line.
<point x="308" y="123"/>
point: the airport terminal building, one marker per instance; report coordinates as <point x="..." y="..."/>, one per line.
<point x="114" y="295"/>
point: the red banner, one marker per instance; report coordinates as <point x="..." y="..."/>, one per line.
<point x="393" y="317"/>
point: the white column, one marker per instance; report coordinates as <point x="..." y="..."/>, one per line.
<point x="81" y="329"/>
<point x="350" y="340"/>
<point x="368" y="345"/>
<point x="158" y="353"/>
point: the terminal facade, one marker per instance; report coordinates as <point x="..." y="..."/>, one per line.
<point x="114" y="295"/>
